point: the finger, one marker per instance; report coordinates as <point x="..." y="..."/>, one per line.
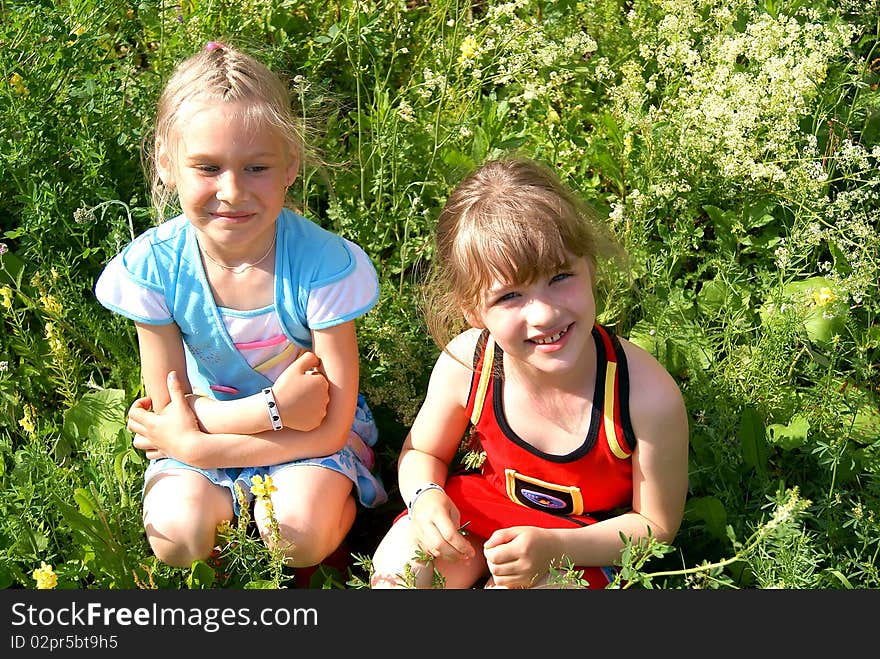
<point x="458" y="541"/>
<point x="135" y="426"/>
<point x="307" y="361"/>
<point x="501" y="537"/>
<point x="175" y="388"/>
<point x="144" y="403"/>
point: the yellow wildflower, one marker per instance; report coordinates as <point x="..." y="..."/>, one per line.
<point x="27" y="421"/>
<point x="56" y="340"/>
<point x="17" y="84"/>
<point x="6" y="296"/>
<point x="51" y="304"/>
<point x="468" y="50"/>
<point x="224" y="528"/>
<point x="45" y="577"/>
<point x="261" y="487"/>
<point x="824" y="296"/>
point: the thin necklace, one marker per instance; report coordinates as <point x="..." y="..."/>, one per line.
<point x="239" y="269"/>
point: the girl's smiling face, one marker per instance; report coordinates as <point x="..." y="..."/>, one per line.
<point x="231" y="176"/>
<point x="546" y="323"/>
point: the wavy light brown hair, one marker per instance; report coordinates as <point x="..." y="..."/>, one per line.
<point x="512" y="219"/>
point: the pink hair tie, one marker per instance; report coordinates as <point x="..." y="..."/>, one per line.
<point x="214" y="45"/>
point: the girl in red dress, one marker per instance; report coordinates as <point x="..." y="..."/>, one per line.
<point x="583" y="435"/>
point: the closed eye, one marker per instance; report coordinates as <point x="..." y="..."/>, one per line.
<point x="560" y="277"/>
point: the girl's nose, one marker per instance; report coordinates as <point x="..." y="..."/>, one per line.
<point x="540" y="311"/>
<point x="229" y="187"/>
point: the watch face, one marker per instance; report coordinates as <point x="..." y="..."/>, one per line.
<point x="542" y="495"/>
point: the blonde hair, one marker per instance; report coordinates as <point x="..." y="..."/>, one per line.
<point x="222" y="74"/>
<point x="513" y="220"/>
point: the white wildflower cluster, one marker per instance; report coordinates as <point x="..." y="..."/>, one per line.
<point x="782" y="255"/>
<point x="852" y="157"/>
<point x="505" y="49"/>
<point x="405" y="111"/>
<point x="432" y="83"/>
<point x="633" y="207"/>
<point x="740" y="93"/>
<point x="815" y="171"/>
<point x="628" y="98"/>
<point x="603" y="70"/>
<point x="788" y="510"/>
<point x="505" y="10"/>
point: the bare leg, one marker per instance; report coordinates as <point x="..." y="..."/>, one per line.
<point x="314" y="509"/>
<point x="181" y="512"/>
<point x="396" y="556"/>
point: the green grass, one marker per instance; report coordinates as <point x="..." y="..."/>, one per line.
<point x="732" y="145"/>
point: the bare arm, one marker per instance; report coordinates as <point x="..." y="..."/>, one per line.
<point x="336" y="347"/>
<point x="301" y="393"/>
<point x="430" y="447"/>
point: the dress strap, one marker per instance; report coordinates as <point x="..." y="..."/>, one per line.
<point x="615" y="405"/>
<point x="485" y="370"/>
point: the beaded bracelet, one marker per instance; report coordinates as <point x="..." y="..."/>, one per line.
<point x="272" y="406"/>
<point x="420" y="491"/>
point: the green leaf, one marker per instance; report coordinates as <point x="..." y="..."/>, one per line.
<point x="98" y="414"/>
<point x="789" y="436"/>
<point x="752" y="439"/>
<point x="201" y="575"/>
<point x="85" y="501"/>
<point x="260" y="584"/>
<point x="841" y="578"/>
<point x="711" y="511"/>
<point x="866" y="424"/>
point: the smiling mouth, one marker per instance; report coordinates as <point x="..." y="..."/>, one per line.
<point x="553" y="338"/>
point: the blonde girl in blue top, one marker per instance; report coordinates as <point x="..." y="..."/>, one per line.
<point x="245" y="320"/>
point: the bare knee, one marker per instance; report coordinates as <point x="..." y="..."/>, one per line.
<point x="303" y="546"/>
<point x="178" y="542"/>
<point x="181" y="513"/>
<point x="307" y="539"/>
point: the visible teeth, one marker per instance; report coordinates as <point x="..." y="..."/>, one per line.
<point x="550" y="339"/>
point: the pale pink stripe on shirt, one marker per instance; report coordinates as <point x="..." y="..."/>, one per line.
<point x="263" y="343"/>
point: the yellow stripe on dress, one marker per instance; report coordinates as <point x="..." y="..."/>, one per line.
<point x="610" y="431"/>
<point x="274" y="361"/>
<point x="485" y="375"/>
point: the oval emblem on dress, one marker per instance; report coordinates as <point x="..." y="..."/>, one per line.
<point x="542" y="499"/>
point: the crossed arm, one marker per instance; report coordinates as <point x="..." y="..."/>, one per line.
<point x="212" y="434"/>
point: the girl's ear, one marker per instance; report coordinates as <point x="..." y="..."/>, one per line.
<point x="164" y="164"/>
<point x="293" y="167"/>
<point x="473" y="318"/>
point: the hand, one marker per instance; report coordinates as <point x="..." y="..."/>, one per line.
<point x="302" y="393"/>
<point x="519" y="556"/>
<point x="436" y="524"/>
<point x="167" y="433"/>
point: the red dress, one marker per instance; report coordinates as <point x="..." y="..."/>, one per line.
<point x="519" y="485"/>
